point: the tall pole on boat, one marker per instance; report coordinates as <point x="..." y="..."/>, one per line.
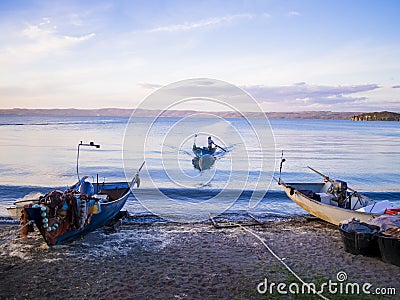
<point x="280" y="167"/>
<point x="91" y="144"/>
<point x="194" y="141"/>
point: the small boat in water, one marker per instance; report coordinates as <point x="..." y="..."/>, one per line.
<point x="205" y="157"/>
<point x="201" y="151"/>
<point x="333" y="201"/>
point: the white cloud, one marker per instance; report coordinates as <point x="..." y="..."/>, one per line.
<point x="303" y="90"/>
<point x="44" y="21"/>
<point x="304" y="96"/>
<point x="294" y="14"/>
<point x="45" y="38"/>
<point x="149" y="86"/>
<point x="35" y="41"/>
<point x="300" y="96"/>
<point x="200" y="24"/>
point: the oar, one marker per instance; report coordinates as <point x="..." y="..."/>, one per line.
<point x="220" y="147"/>
<point x="319" y="173"/>
<point x="136" y="178"/>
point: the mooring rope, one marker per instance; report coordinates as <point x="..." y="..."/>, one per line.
<point x="15" y="233"/>
<point x="281" y="261"/>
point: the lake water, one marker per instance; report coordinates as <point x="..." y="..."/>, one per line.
<point x="39" y="154"/>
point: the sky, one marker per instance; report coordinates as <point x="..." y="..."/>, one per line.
<point x="289" y="55"/>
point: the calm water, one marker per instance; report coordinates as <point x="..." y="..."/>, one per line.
<point x="39" y="153"/>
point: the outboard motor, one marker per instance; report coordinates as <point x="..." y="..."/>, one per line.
<point x="339" y="190"/>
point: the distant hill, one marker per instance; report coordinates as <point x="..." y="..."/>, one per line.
<point x="66" y="112"/>
<point x="311" y="115"/>
<point x="377" y="116"/>
<point x="120" y="112"/>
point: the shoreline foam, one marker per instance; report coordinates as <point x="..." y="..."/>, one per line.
<point x="182" y="261"/>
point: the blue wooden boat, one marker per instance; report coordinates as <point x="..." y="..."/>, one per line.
<point x="65" y="216"/>
<point x="202" y="151"/>
<point x="114" y="196"/>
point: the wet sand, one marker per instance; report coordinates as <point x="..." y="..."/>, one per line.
<point x="185" y="261"/>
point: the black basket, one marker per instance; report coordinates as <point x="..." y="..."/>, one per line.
<point x="360" y="238"/>
<point x="390" y="249"/>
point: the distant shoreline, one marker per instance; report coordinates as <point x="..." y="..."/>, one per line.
<point x="122" y="112"/>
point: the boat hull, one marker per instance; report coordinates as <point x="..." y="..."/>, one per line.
<point x="206" y="162"/>
<point x="329" y="213"/>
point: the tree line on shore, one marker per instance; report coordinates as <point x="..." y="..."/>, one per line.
<point x="377" y="116"/>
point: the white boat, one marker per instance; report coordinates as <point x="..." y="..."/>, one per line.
<point x="333" y="201"/>
<point x="15" y="209"/>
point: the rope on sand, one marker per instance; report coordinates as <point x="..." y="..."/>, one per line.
<point x="15" y="233"/>
<point x="281" y="261"/>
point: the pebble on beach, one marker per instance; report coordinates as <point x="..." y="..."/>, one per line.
<point x="182" y="261"/>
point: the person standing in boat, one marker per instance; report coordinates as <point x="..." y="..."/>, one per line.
<point x="210" y="143"/>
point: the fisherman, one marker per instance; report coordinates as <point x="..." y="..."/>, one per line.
<point x="210" y="143"/>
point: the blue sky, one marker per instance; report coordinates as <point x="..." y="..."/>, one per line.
<point x="290" y="55"/>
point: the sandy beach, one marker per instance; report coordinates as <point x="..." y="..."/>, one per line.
<point x="187" y="261"/>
